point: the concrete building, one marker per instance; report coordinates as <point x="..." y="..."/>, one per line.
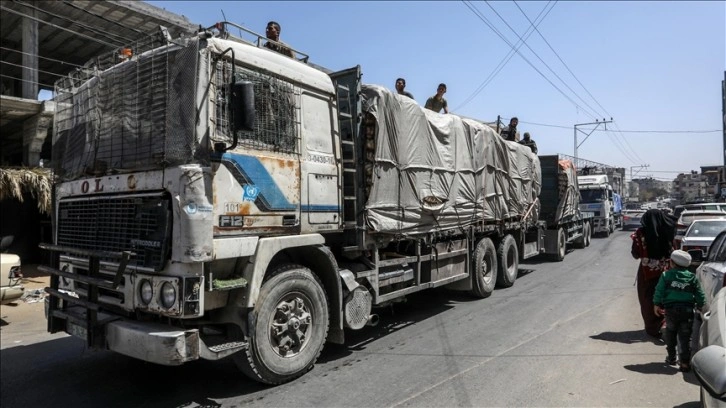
<point x="45" y="40"/>
<point x="714" y="176"/>
<point x="690" y="187"/>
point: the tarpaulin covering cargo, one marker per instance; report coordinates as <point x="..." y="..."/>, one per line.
<point x="560" y="194"/>
<point x="434" y="171"/>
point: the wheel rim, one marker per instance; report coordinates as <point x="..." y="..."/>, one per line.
<point x="562" y="243"/>
<point x="290" y="325"/>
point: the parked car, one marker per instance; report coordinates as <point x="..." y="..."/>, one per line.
<point x="712" y="271"/>
<point x="712" y="276"/>
<point x="709" y="363"/>
<point x="699" y="236"/>
<point x="11" y="275"/>
<point x="700" y="206"/>
<point x="687" y="217"/>
<point x="631" y="219"/>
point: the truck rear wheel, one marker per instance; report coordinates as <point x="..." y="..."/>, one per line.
<point x="484" y="268"/>
<point x="582" y="240"/>
<point x="588" y="234"/>
<point x="508" y="258"/>
<point x="290" y="325"/>
<point x="561" y="246"/>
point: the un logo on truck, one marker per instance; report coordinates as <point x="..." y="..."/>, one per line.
<point x="250" y="193"/>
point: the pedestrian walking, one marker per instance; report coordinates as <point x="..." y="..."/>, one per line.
<point x="652" y="245"/>
<point x="676" y="294"/>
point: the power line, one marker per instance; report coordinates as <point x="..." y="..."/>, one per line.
<point x="53" y="25"/>
<point x="26" y="80"/>
<point x="501" y="36"/>
<point x="505" y="60"/>
<point x="94" y="30"/>
<point x="626" y="131"/>
<point x="42" y="57"/>
<point x="578" y="81"/>
<point x="39" y="70"/>
<point x="592" y="110"/>
<point x="69" y="3"/>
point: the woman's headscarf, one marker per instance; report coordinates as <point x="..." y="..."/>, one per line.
<point x="659" y="229"/>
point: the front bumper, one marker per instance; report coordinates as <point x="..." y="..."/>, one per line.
<point x="152" y="342"/>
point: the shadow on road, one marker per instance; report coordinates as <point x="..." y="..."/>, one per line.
<point x="103" y="378"/>
<point x="653" y="368"/>
<point x="627" y="337"/>
<point x="694" y="404"/>
<point x="396" y="316"/>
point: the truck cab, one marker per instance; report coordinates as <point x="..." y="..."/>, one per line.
<point x="598" y="197"/>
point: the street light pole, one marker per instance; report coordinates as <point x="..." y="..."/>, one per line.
<point x="597" y="123"/>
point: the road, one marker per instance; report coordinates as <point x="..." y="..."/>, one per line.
<point x="567" y="334"/>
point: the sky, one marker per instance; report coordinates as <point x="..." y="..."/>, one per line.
<point x="654" y="67"/>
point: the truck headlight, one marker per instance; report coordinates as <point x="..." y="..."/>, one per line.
<point x="146" y="291"/>
<point x="167" y="296"/>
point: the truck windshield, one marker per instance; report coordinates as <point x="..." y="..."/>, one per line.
<point x="593" y="196"/>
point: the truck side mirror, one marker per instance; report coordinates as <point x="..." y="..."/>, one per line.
<point x="242" y="106"/>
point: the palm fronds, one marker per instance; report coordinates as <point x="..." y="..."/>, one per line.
<point x="36" y="181"/>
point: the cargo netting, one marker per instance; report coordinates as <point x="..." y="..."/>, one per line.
<point x="130" y="110"/>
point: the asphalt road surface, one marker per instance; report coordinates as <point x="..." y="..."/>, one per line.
<point x="567" y="334"/>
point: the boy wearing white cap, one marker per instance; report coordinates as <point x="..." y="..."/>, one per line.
<point x="677" y="292"/>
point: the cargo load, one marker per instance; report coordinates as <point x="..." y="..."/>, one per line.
<point x="427" y="171"/>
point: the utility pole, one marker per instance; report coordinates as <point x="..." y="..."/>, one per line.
<point x="640" y="167"/>
<point x="597" y="123"/>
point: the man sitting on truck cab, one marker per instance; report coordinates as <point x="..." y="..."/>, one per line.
<point x="527" y="141"/>
<point x="273" y="33"/>
<point x="510" y="132"/>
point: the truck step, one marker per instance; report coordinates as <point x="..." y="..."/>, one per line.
<point x="234" y="345"/>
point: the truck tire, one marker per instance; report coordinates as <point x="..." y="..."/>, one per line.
<point x="588" y="234"/>
<point x="290" y="325"/>
<point x="484" y="268"/>
<point x="612" y="225"/>
<point x="561" y="246"/>
<point x="508" y="258"/>
<point x="581" y="242"/>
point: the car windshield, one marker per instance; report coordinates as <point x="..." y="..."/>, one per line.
<point x="704" y="229"/>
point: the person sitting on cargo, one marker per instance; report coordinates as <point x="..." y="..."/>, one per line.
<point x="273" y="33"/>
<point x="527" y="141"/>
<point x="510" y="132"/>
<point x="438" y="102"/>
<point x="400" y="85"/>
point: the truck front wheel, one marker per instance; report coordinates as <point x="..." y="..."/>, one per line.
<point x="289" y="327"/>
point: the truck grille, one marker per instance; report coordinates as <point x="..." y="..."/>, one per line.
<point x="141" y="224"/>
